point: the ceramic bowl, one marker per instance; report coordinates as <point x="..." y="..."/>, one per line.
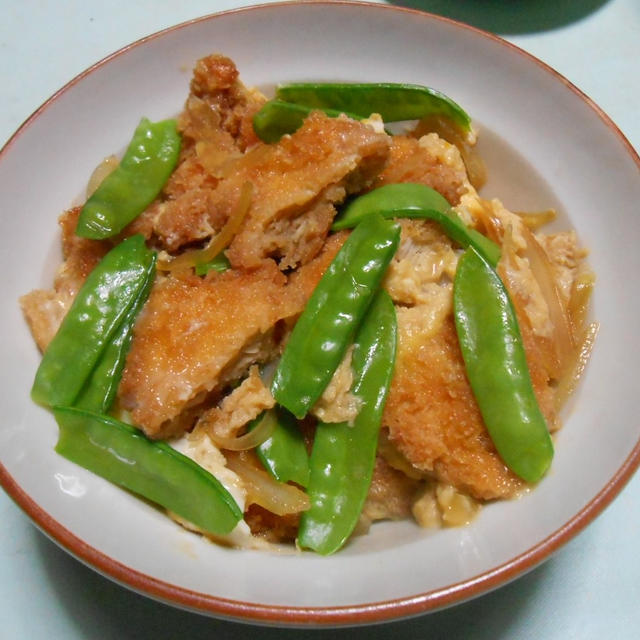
<point x="546" y="145"/>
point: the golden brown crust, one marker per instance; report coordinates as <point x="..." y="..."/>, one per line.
<point x="191" y="330"/>
<point x="430" y="161"/>
<point x="195" y="335"/>
<point x="216" y="82"/>
<point x="81" y="254"/>
<point x="434" y="420"/>
<point x="45" y="309"/>
<point x="216" y="127"/>
<point x="297" y="182"/>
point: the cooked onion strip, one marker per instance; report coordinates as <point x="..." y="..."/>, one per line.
<point x="575" y="368"/>
<point x="197" y="256"/>
<point x="107" y="166"/>
<point x="249" y="440"/>
<point x="265" y="491"/>
<point x="492" y="226"/>
<point x="563" y="336"/>
<point x="536" y="219"/>
<point x="580" y="296"/>
<point x="563" y="330"/>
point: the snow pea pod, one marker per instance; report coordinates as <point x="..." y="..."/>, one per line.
<point x="95" y="315"/>
<point x="343" y="455"/>
<point x="412" y="200"/>
<point x="220" y="263"/>
<point x="126" y="192"/>
<point x="125" y="456"/>
<point x="393" y="101"/>
<point x="277" y="118"/>
<point x="497" y="369"/>
<point x="284" y="453"/>
<point x="329" y="320"/>
<point x="101" y="388"/>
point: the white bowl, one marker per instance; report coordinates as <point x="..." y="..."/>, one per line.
<point x="546" y="145"/>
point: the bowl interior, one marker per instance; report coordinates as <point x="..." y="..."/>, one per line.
<point x="545" y="146"/>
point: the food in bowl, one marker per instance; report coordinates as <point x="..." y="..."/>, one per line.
<point x="282" y="322"/>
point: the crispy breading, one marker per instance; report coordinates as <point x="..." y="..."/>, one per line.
<point x="181" y="220"/>
<point x="45" y="309"/>
<point x="81" y="254"/>
<point x="297" y="182"/>
<point x="213" y="74"/>
<point x="429" y="160"/>
<point x="189" y="332"/>
<point x="188" y="175"/>
<point x="432" y="414"/>
<point x="435" y="422"/>
<point x="216" y="127"/>
<point x="216" y="81"/>
<point x="195" y="335"/>
<point x="303" y="281"/>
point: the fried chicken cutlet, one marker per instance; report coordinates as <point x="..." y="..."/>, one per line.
<point x="195" y="335"/>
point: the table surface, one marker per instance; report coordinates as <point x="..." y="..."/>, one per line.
<point x="589" y="589"/>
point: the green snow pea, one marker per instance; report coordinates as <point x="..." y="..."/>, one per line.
<point x="125" y="193"/>
<point x="219" y="264"/>
<point x="125" y="456"/>
<point x="343" y="455"/>
<point x="284" y="453"/>
<point x="277" y="118"/>
<point x="497" y="368"/>
<point x="329" y="320"/>
<point x="393" y="101"/>
<point x="411" y="200"/>
<point x="101" y="387"/>
<point x="97" y="312"/>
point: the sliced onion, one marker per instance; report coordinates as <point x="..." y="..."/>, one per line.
<point x="569" y="354"/>
<point x="254" y="438"/>
<point x="107" y="166"/>
<point x="476" y="168"/>
<point x="563" y="337"/>
<point x="580" y="295"/>
<point x="492" y="226"/>
<point x="197" y="256"/>
<point x="536" y="219"/>
<point x="575" y="368"/>
<point x="563" y="330"/>
<point x="263" y="490"/>
<point x="268" y="371"/>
